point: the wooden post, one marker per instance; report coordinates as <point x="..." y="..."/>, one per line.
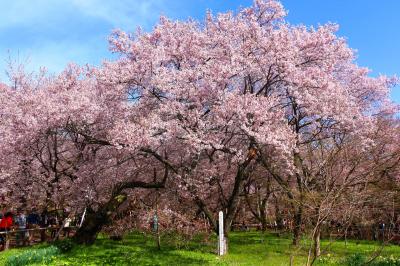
<point x="156" y="225"/>
<point x="83" y="218"/>
<point x="221" y="237"/>
<point x="7" y="243"/>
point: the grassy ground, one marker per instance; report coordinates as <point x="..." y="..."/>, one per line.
<point x="246" y="248"/>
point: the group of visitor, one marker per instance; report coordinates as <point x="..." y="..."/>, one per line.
<point x="19" y="222"/>
<point x="24" y="224"/>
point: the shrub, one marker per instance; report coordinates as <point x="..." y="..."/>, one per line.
<point x="359" y="259"/>
<point x="176" y="239"/>
<point x="64" y="245"/>
<point x="355" y="260"/>
<point x="43" y="255"/>
<point x="386" y="261"/>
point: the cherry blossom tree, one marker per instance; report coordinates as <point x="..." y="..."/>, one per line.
<point x="197" y="108"/>
<point x="237" y="71"/>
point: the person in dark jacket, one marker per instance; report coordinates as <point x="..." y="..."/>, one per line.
<point x="33" y="222"/>
<point x="43" y="225"/>
<point x="33" y="217"/>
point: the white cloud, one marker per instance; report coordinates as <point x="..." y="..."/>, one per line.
<point x="123" y="13"/>
<point x="45" y="18"/>
<point x="119" y="13"/>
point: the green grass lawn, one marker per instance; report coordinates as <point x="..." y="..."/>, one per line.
<point x="246" y="248"/>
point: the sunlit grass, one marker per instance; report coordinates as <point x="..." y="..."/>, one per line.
<point x="245" y="248"/>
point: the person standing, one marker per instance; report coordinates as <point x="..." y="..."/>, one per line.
<point x="5" y="226"/>
<point x="22" y="234"/>
<point x="67" y="225"/>
<point x="33" y="221"/>
<point x="53" y="224"/>
<point x="43" y="224"/>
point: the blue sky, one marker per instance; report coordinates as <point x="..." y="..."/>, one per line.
<point x="52" y="33"/>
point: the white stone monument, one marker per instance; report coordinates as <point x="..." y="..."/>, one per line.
<point x="221" y="237"/>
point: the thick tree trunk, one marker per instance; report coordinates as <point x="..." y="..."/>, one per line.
<point x="298" y="221"/>
<point x="278" y="218"/>
<point x="231" y="207"/>
<point x="96" y="220"/>
<point x="232" y="204"/>
<point x="92" y="225"/>
<point x="263" y="217"/>
<point x="233" y="201"/>
<point x="264" y="225"/>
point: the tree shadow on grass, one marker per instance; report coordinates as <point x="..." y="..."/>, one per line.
<point x="131" y="252"/>
<point x="115" y="257"/>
